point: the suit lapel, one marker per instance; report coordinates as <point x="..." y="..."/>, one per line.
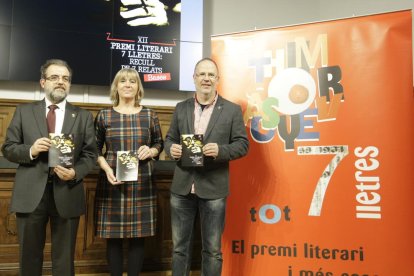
<point x="190" y="115"/>
<point x="39" y="111"/>
<point x="70" y="117"/>
<point x="218" y="108"/>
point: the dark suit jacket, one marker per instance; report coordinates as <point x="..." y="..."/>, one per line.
<point x="28" y="125"/>
<point x="227" y="129"/>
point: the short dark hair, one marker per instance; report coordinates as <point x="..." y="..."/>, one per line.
<point x="49" y="62"/>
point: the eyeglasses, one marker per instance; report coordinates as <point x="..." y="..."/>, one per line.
<point x="211" y="76"/>
<point x="55" y="78"/>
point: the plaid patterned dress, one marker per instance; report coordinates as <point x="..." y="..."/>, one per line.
<point x="127" y="210"/>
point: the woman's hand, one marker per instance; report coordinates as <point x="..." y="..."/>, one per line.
<point x="145" y="152"/>
<point x="111" y="177"/>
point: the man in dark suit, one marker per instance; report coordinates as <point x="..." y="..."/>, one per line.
<point x="41" y="194"/>
<point x="203" y="189"/>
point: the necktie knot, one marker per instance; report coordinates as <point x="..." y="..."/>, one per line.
<point x="52" y="107"/>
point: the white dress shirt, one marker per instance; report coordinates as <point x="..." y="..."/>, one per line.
<point x="60" y="114"/>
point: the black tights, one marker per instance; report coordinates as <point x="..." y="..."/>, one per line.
<point x="114" y="255"/>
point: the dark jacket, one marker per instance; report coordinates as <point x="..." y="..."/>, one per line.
<point x="28" y="125"/>
<point x="227" y="129"/>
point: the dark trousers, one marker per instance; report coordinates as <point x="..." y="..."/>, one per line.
<point x="114" y="254"/>
<point x="31" y="229"/>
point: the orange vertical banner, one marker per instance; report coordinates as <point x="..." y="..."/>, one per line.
<point x="328" y="185"/>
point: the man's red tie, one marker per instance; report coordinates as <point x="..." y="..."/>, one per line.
<point x="51" y="118"/>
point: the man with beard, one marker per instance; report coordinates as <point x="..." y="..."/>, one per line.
<point x="42" y="194"/>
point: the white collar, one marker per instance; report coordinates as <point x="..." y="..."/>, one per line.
<point x="60" y="105"/>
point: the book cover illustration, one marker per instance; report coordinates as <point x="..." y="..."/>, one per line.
<point x="127" y="166"/>
<point x="61" y="152"/>
<point x="192" y="152"/>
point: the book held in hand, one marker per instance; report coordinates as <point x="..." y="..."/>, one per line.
<point x="192" y="150"/>
<point x="127" y="166"/>
<point x="61" y="152"/>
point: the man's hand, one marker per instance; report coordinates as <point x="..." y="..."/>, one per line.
<point x="211" y="149"/>
<point x="176" y="151"/>
<point x="65" y="173"/>
<point x="40" y="145"/>
<point x="148" y="12"/>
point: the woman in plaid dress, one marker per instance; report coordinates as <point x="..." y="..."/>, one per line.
<point x="126" y="210"/>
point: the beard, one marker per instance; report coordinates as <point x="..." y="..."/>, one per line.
<point x="57" y="95"/>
